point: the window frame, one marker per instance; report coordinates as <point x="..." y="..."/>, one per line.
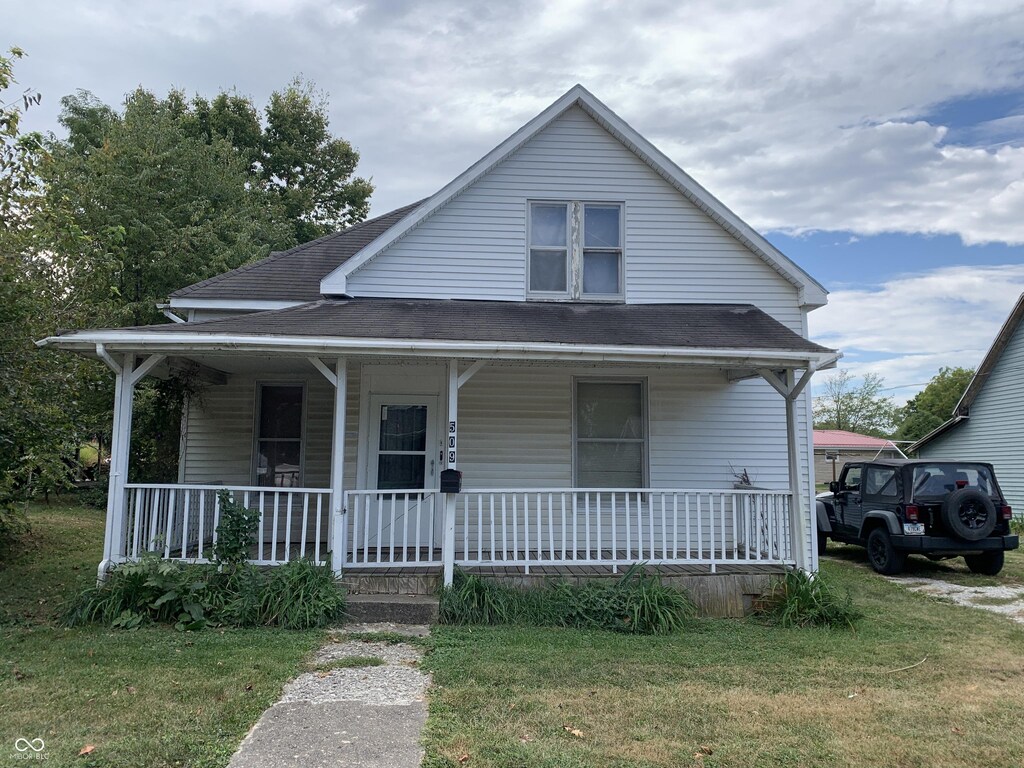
<point x="257" y="439"/>
<point x="574" y="249"/>
<point x="645" y="441"/>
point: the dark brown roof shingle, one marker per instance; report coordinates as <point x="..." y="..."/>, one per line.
<point x="694" y="326"/>
<point x="295" y="274"/>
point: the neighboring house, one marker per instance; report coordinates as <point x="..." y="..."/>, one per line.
<point x="988" y="422"/>
<point x="592" y="339"/>
<point x="834" y="448"/>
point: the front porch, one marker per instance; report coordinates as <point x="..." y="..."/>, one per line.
<point x="538" y="531"/>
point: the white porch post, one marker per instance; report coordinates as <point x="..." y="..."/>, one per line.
<point x="790" y="388"/>
<point x="113" y="544"/>
<point x="451" y="455"/>
<point x="795" y="486"/>
<point x="339" y="528"/>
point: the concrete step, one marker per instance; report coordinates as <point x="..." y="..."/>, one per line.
<point x="370" y="583"/>
<point x="397" y="609"/>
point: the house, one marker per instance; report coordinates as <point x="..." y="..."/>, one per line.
<point x="593" y="340"/>
<point x="834" y="448"/>
<point x="988" y="422"/>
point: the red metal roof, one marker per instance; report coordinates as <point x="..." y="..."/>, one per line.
<point x="840" y="438"/>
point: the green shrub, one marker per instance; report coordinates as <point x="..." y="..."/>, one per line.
<point x="236" y="531"/>
<point x="637" y="603"/>
<point x="298" y="595"/>
<point x="146" y="591"/>
<point x="1017" y="525"/>
<point x="803" y="600"/>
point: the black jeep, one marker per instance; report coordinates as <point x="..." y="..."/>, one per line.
<point x="939" y="509"/>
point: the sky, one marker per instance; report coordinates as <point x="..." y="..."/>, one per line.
<point x="878" y="144"/>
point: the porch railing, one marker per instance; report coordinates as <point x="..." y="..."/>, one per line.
<point x="398" y="529"/>
<point x="180" y="521"/>
<point x="570" y="527"/>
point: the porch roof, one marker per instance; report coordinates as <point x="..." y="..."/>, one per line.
<point x="528" y="330"/>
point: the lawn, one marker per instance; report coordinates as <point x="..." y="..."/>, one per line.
<point x="739" y="693"/>
<point x="150" y="697"/>
<point x="724" y="693"/>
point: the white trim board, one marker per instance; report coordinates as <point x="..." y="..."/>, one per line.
<point x="811" y="292"/>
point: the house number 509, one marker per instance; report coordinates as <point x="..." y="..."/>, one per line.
<point x="451" y="443"/>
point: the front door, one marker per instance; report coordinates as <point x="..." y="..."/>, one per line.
<point x="403" y="442"/>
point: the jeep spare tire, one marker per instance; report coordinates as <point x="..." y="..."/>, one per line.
<point x="969" y="514"/>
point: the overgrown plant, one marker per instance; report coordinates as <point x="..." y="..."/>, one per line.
<point x="297" y="595"/>
<point x="801" y="599"/>
<point x="236" y="531"/>
<point x="638" y="603"/>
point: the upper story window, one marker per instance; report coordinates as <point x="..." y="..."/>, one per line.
<point x="575" y="251"/>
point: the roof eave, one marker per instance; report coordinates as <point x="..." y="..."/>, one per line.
<point x="939" y="430"/>
<point x="193" y="342"/>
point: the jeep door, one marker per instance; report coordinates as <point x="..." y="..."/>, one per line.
<point x="849" y="501"/>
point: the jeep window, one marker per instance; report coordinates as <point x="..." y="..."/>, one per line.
<point x="880" y="481"/>
<point x="851" y="478"/>
<point x="940" y="479"/>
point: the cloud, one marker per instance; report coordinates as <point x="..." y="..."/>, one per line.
<point x="799" y="115"/>
<point x="907" y="328"/>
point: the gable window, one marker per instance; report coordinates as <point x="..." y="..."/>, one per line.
<point x="279" y="452"/>
<point x="575" y="251"/>
<point x="610" y="434"/>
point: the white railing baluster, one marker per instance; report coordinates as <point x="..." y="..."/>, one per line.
<point x="615" y="532"/>
<point x="479" y="527"/>
<point x="187" y="504"/>
<point x="504" y="531"/>
<point x="319" y="516"/>
<point x="305" y="525"/>
<point x="288" y="527"/>
<point x="202" y="521"/>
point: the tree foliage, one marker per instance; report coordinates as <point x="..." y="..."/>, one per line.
<point x="854" y="407"/>
<point x="933" y="405"/>
<point x="133" y="203"/>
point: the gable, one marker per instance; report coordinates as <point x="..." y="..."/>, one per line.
<point x="597" y="143"/>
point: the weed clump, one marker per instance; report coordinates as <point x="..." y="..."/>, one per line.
<point x="638" y="603"/>
<point x="296" y="595"/>
<point x="803" y="600"/>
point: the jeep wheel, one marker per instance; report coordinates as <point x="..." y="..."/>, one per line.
<point x="822" y="542"/>
<point x="987" y="563"/>
<point x="882" y="555"/>
<point x="969" y="514"/>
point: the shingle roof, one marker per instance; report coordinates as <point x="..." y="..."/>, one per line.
<point x="690" y="326"/>
<point x="295" y="274"/>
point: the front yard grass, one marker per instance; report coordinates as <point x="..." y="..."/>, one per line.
<point x="149" y="697"/>
<point x="740" y="693"/>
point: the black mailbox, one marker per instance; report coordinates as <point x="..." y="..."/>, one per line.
<point x="451" y="481"/>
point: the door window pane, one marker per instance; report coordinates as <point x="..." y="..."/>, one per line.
<point x="281" y="411"/>
<point x="403" y="428"/>
<point x="547" y="224"/>
<point x="609" y="410"/>
<point x="400" y="471"/>
<point x="548" y="271"/>
<point x="601" y="226"/>
<point x="600" y="272"/>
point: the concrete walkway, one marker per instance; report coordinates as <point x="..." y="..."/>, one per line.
<point x="368" y="716"/>
<point x="1005" y="600"/>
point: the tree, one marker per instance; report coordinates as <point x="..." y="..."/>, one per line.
<point x="855" y="408"/>
<point x="168" y="208"/>
<point x="291" y="154"/>
<point x="933" y="405"/>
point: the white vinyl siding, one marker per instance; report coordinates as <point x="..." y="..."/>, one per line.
<point x="219" y="431"/>
<point x="475" y="247"/>
<point x="995" y="430"/>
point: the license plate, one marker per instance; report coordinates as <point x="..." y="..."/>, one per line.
<point x="913" y="529"/>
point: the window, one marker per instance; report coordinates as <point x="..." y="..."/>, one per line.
<point x="851" y="480"/>
<point x="880" y="481"/>
<point x="575" y="251"/>
<point x="610" y="434"/>
<point x="279" y="435"/>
